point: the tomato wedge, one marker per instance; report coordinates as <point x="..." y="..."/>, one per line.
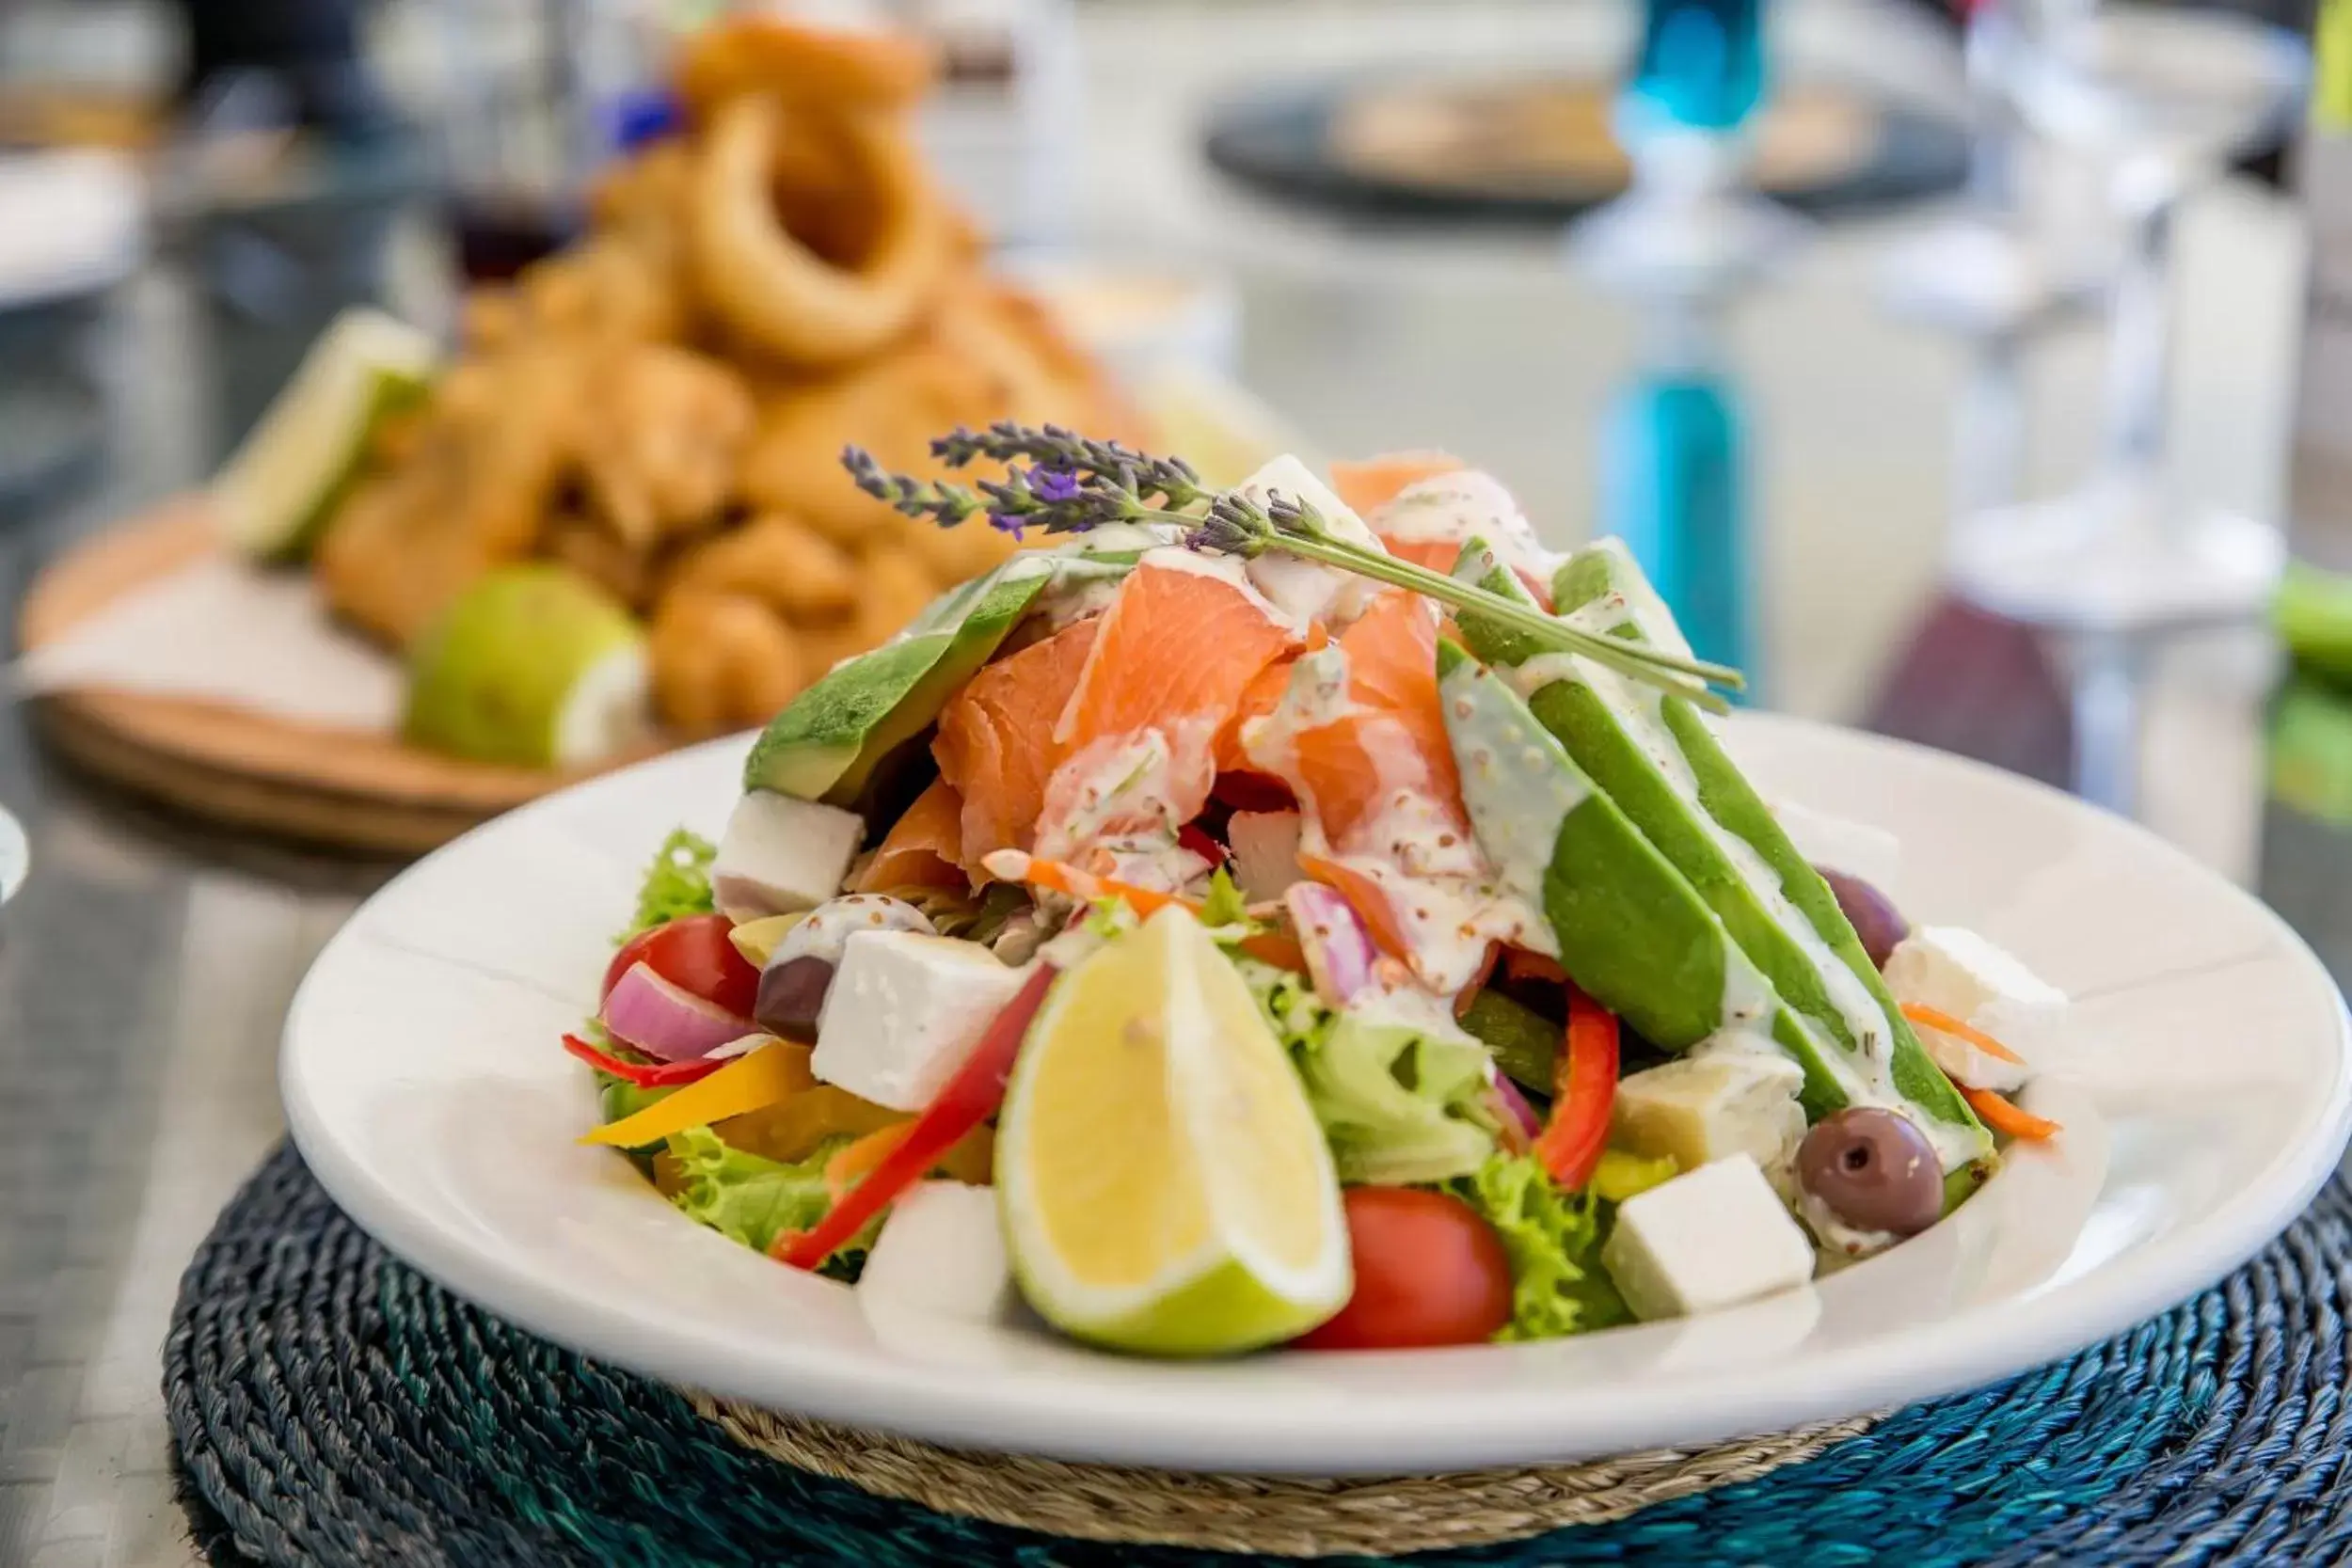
<point x="692" y="953"/>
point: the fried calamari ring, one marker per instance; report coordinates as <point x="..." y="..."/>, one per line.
<point x="774" y="292"/>
<point x="721" y="661"/>
<point x="828" y="66"/>
<point x="799" y="574"/>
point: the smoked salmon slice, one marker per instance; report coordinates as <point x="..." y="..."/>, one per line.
<point x="1178" y="650"/>
<point x="924" y="849"/>
<point x="1178" y="646"/>
<point x="1371" y="485"/>
<point x="1393" y="739"/>
<point x="996" y="743"/>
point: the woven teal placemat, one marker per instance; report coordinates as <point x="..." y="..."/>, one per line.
<point x="331" y="1406"/>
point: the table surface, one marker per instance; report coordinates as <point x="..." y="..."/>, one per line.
<point x="145" y="967"/>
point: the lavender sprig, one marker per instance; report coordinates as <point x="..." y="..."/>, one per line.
<point x="1064" y="482"/>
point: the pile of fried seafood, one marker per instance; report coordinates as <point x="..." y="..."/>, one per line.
<point x="662" y="406"/>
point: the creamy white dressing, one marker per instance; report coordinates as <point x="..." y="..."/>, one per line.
<point x="1438" y="885"/>
<point x="1518" y="794"/>
<point x="1454" y="508"/>
<point x="1120" y="792"/>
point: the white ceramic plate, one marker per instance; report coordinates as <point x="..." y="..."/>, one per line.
<point x="2206" y="1099"/>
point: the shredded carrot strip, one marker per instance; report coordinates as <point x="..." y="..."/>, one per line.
<point x="2002" y="1116"/>
<point x="1278" y="948"/>
<point x="1950" y="1025"/>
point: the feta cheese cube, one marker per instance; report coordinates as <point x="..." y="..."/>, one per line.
<point x="904" y="1011"/>
<point x="1304" y="590"/>
<point x="780" y="854"/>
<point x="1841" y="844"/>
<point x="1957" y="972"/>
<point x="1707" y="1240"/>
<point x="1710" y="1106"/>
<point x="941" y="1250"/>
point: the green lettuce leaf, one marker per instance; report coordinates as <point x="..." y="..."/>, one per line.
<point x="1399" y="1102"/>
<point x="677" y="884"/>
<point x="1553" y="1237"/>
<point x="1223" y="904"/>
<point x="752" y="1199"/>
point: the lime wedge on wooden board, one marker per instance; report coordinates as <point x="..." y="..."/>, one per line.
<point x="533" y="665"/>
<point x="276" y="493"/>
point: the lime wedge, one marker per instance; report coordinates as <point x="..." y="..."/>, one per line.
<point x="1165" y="1187"/>
<point x="275" y="495"/>
<point x="533" y="665"/>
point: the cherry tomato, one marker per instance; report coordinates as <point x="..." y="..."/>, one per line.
<point x="1429" y="1271"/>
<point x="694" y="953"/>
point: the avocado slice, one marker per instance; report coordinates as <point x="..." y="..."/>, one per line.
<point x="828" y="744"/>
<point x="1655" y="754"/>
<point x="1631" y="931"/>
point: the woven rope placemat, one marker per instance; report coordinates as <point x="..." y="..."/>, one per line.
<point x="331" y="1406"/>
<point x="1294" y="1516"/>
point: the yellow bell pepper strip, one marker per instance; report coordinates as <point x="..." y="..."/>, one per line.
<point x="789" y="1130"/>
<point x="1570" y="1146"/>
<point x="968" y="1099"/>
<point x="767" y="1075"/>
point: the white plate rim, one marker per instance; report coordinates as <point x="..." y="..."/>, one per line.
<point x="1918" y="1362"/>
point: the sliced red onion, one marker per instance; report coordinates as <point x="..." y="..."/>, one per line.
<point x="1513" y="1105"/>
<point x="1340" y="954"/>
<point x="665" y="1021"/>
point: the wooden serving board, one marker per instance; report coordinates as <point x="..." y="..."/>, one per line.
<point x="350" y="790"/>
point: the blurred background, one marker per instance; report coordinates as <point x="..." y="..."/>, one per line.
<point x="1946" y="366"/>
<point x="1980" y="373"/>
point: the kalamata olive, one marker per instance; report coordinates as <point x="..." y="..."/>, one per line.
<point x="793" y="994"/>
<point x="1873" y="1170"/>
<point x="1876" y="920"/>
<point x="824" y="929"/>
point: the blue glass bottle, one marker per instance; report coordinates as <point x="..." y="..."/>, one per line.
<point x="1674" y="488"/>
<point x="1700" y="65"/>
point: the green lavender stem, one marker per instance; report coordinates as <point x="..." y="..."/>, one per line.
<point x="1654" y="666"/>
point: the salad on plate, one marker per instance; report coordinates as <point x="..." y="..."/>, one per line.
<point x="1308" y="913"/>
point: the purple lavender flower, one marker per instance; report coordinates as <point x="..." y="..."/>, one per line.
<point x="1005" y="522"/>
<point x="1052" y="485"/>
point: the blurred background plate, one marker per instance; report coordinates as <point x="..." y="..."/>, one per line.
<point x="1540" y="148"/>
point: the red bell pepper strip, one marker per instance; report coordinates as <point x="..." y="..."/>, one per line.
<point x="645" y="1075"/>
<point x="970" y="1097"/>
<point x="1571" y="1143"/>
<point x="1520" y="964"/>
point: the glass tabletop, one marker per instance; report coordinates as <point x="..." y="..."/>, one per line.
<point x="145" y="964"/>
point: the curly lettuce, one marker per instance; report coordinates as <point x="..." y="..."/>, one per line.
<point x="1400" y="1100"/>
<point x="752" y="1199"/>
<point x="1552" y="1238"/>
<point x="677" y="883"/>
